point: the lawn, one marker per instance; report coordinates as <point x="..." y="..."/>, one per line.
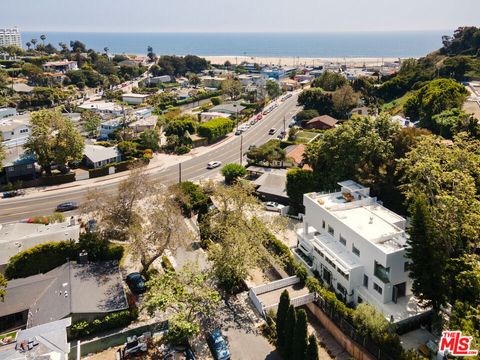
<point x="396" y="106"/>
<point x="12" y="334"/>
<point x="305" y="136"/>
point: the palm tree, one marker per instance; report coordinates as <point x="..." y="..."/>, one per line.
<point x="28" y="43"/>
<point x="34" y="41"/>
<point x="43" y="37"/>
<point x="106" y="50"/>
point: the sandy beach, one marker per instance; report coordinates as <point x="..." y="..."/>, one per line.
<point x="304" y="61"/>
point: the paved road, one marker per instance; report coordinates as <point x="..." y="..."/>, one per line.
<point x="193" y="169"/>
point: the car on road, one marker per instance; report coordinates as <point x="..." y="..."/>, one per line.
<point x="238" y="132"/>
<point x="12" y="193"/>
<point x="66" y="206"/>
<point x="272" y="131"/>
<point x="280" y="137"/>
<point x="252" y="122"/>
<point x="213" y="164"/>
<point x="136" y="283"/>
<point x="259" y="117"/>
<point x="273" y="206"/>
<point x="218" y="345"/>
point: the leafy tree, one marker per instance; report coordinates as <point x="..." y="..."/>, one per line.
<point x="273" y="89"/>
<point x="463" y="276"/>
<point x="180" y="126"/>
<point x="165" y="229"/>
<point x="433" y="98"/>
<point x="194" y="80"/>
<point x="300" y="336"/>
<point x="216" y="100"/>
<point x="78" y="46"/>
<point x="3" y="286"/>
<point x="427" y="257"/>
<point x="455" y="67"/>
<point x="189" y="294"/>
<point x="290" y="323"/>
<point x="232" y="172"/>
<point x="312" y="348"/>
<point x="151" y="55"/>
<point x="195" y="63"/>
<point x="330" y="81"/>
<point x="299" y="182"/>
<point x="232" y="87"/>
<point x="268" y="152"/>
<point x="128" y="148"/>
<point x="53" y="139"/>
<point x="191" y="198"/>
<point x="215" y="129"/>
<point x="316" y="99"/>
<point x="449" y="122"/>
<point x="150" y="139"/>
<point x="282" y="311"/>
<point x="2" y="152"/>
<point x="344" y="99"/>
<point x="91" y="122"/>
<point x="305" y="115"/>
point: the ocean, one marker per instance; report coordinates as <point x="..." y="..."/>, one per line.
<point x="364" y="44"/>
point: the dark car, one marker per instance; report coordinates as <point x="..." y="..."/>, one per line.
<point x="66" y="206"/>
<point x="12" y="193"/>
<point x="136" y="283"/>
<point x="218" y="345"/>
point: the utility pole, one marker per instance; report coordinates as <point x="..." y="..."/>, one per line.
<point x="241" y="149"/>
<point x="284" y="118"/>
<point x="179" y="172"/>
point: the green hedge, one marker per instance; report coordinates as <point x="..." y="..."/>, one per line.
<point x="93" y="173"/>
<point x="112" y="321"/>
<point x="45" y="257"/>
<point x="119" y="167"/>
<point x="57" y="179"/>
<point x="299" y="182"/>
<point x="215" y="129"/>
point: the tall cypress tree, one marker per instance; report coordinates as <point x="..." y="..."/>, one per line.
<point x="282" y="317"/>
<point x="289" y="331"/>
<point x="312" y="349"/>
<point x="427" y="255"/>
<point x="300" y="336"/>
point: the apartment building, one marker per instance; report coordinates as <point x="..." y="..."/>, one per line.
<point x="10" y="36"/>
<point x="357" y="247"/>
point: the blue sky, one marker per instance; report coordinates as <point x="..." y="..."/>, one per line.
<point x="238" y="16"/>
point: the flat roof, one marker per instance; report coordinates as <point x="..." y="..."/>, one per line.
<point x="138" y="96"/>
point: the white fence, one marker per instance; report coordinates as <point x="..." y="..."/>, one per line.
<point x="275" y="285"/>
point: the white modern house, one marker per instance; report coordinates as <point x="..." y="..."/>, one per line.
<point x="60" y="66"/>
<point x="135" y="99"/>
<point x="109" y="126"/>
<point x="357" y="247"/>
<point x="14" y="130"/>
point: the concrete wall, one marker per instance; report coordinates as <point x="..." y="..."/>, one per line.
<point x="354" y="349"/>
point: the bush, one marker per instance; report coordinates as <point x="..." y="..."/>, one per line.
<point x="112" y="321"/>
<point x="215" y="129"/>
<point x="299" y="182"/>
<point x="191" y="198"/>
<point x="57" y="179"/>
<point x="166" y="264"/>
<point x="216" y="100"/>
<point x="232" y="172"/>
<point x="103" y="171"/>
<point x="305" y="115"/>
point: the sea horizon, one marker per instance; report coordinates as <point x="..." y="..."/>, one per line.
<point x="370" y="44"/>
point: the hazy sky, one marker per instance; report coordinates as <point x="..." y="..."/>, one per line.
<point x="238" y="16"/>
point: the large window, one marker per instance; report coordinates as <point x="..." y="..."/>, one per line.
<point x="365" y="281"/>
<point x="377" y="288"/>
<point x="341" y="289"/>
<point x="330" y="230"/>
<point x="382" y="272"/>
<point x="355" y="250"/>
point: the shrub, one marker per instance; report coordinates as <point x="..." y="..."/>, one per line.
<point x="191" y="198"/>
<point x="166" y="264"/>
<point x="112" y="321"/>
<point x="215" y="129"/>
<point x="93" y="173"/>
<point x="216" y="100"/>
<point x="299" y="182"/>
<point x="56" y="179"/>
<point x="232" y="172"/>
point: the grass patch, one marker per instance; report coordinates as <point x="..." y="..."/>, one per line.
<point x="13" y="334"/>
<point x="395" y="107"/>
<point x="305" y="136"/>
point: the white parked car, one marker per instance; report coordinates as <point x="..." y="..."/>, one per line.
<point x="273" y="206"/>
<point x="213" y="164"/>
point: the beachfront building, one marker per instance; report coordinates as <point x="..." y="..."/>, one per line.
<point x="10" y="36"/>
<point x="135" y="99"/>
<point x="357" y="247"/>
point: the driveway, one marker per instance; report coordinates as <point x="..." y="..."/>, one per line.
<point x="239" y="324"/>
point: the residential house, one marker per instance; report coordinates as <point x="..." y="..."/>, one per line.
<point x="142" y="124"/>
<point x="294" y="155"/>
<point x="271" y="184"/>
<point x="47" y="342"/>
<point x="155" y="80"/>
<point x="231" y="108"/>
<point x="80" y="291"/>
<point x="358" y="247"/>
<point x="304" y="78"/>
<point x="212" y="81"/>
<point x="7" y="111"/>
<point x="60" y="66"/>
<point x="205" y="116"/>
<point x="15" y="130"/>
<point x="360" y="110"/>
<point x="96" y="156"/>
<point x="289" y="84"/>
<point x="135" y="99"/>
<point x="21" y="236"/>
<point x="323" y="122"/>
<point x="103" y="108"/>
<point x="56" y="78"/>
<point x="404" y="122"/>
<point x="109" y="126"/>
<point x="17" y="165"/>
